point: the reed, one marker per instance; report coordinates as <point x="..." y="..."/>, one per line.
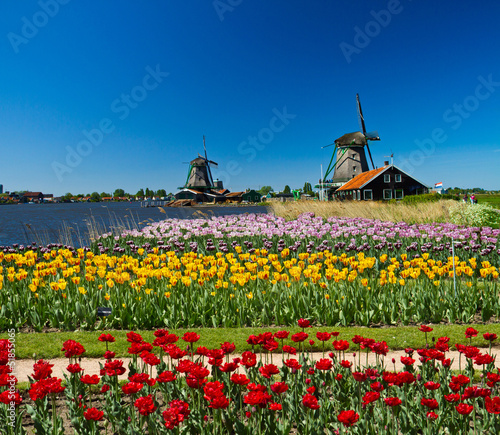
<point x="395" y="212"/>
<point x="69" y="235"/>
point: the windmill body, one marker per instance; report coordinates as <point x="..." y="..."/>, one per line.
<point x="199" y="173"/>
<point x="199" y="176"/>
<point x="350" y="158"/>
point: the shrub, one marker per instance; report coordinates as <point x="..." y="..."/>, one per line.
<point x="475" y="215"/>
<point x="428" y="197"/>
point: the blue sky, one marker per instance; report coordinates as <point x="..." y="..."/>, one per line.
<point x="267" y="82"/>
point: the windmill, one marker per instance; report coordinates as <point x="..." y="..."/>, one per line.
<point x="349" y="158"/>
<point x="199" y="173"/>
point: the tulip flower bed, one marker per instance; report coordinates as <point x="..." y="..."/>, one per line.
<point x="256" y="270"/>
<point x="180" y="388"/>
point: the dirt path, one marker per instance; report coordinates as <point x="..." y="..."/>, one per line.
<point x="24" y="368"/>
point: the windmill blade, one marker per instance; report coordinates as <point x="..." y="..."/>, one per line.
<point x="372" y="135"/>
<point x="213" y="163"/>
<point x="360" y="116"/>
<point x="205" y="148"/>
<point x="329" y="145"/>
<point x="370" y="154"/>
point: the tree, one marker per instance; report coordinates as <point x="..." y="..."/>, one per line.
<point x="119" y="192"/>
<point x="264" y="190"/>
<point x="95" y="197"/>
<point x="105" y="195"/>
<point x="287" y="189"/>
<point x="162" y="193"/>
<point x="140" y="193"/>
<point x="307" y="188"/>
<point x="149" y="193"/>
<point x="68" y="196"/>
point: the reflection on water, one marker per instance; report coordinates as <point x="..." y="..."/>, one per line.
<point x="75" y="223"/>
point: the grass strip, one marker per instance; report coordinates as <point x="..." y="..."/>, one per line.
<point x="48" y="345"/>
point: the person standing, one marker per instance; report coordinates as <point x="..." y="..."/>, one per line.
<point x="466" y="198"/>
<point x="473" y="199"/>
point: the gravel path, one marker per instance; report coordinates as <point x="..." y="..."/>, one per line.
<point x="24" y="368"/>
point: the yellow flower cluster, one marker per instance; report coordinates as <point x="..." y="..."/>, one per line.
<point x="61" y="270"/>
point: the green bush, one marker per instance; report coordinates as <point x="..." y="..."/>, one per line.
<point x="474" y="215"/>
<point x="428" y="197"/>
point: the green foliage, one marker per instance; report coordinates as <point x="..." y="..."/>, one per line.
<point x="287" y="189"/>
<point x="161" y="193"/>
<point x="428" y="197"/>
<point x="119" y="192"/>
<point x="105" y="195"/>
<point x="140" y="193"/>
<point x="95" y="197"/>
<point x="264" y="190"/>
<point x="475" y="215"/>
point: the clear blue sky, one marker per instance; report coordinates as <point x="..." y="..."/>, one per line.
<point x="428" y="74"/>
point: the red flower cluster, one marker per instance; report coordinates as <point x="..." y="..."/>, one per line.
<point x="175" y="414"/>
<point x="43" y="387"/>
<point x="106" y="338"/>
<point x="190" y="337"/>
<point x="348" y="418"/>
<point x="113" y="368"/>
<point x="72" y="348"/>
<point x="215" y="395"/>
<point x="145" y="405"/>
<point x="93" y="414"/>
<point x="42" y="370"/>
<point x="310" y="401"/>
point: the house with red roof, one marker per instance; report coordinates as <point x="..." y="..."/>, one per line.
<point x="385" y="183"/>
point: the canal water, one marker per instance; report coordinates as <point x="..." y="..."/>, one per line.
<point x="75" y="223"/>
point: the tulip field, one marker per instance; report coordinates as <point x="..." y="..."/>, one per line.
<point x="257" y="270"/>
<point x="174" y="386"/>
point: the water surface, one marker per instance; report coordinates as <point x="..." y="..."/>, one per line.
<point x="72" y="223"/>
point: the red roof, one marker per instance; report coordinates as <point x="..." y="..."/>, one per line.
<point x="33" y="194"/>
<point x="234" y="194"/>
<point x="360" y="180"/>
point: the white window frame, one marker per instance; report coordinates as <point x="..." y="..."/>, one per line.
<point x="396" y="193"/>
<point x="387" y="178"/>
<point x="397" y="178"/>
<point x="385" y="196"/>
<point x="365" y="192"/>
<point x="359" y="195"/>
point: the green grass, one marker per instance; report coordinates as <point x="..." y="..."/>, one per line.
<point x="48" y="345"/>
<point x="493" y="200"/>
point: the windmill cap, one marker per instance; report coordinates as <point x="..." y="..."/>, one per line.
<point x="356" y="138"/>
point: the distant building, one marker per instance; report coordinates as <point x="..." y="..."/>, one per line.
<point x="1" y="188"/>
<point x="32" y="197"/>
<point x="385" y="183"/>
<point x="251" y="196"/>
<point x="234" y="196"/>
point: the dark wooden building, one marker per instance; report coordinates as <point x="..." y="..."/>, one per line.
<point x="385" y="183"/>
<point x="251" y="196"/>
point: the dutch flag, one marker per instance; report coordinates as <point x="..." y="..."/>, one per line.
<point x="438" y="185"/>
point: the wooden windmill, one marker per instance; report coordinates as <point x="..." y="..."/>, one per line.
<point x="199" y="173"/>
<point x="349" y="158"/>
